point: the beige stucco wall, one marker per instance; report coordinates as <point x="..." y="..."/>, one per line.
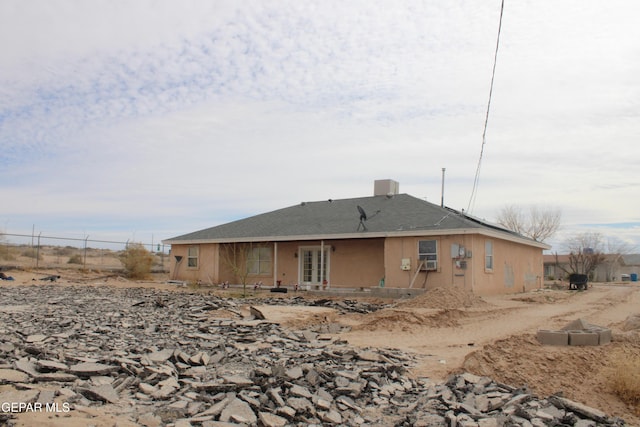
<point x="363" y="262"/>
<point x="516" y="267"/>
<point x="207" y="269"/>
<point x="447" y="273"/>
<point x="357" y="263"/>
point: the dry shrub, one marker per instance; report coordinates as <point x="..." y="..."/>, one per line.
<point x="625" y="377"/>
<point x="8" y="253"/>
<point x="137" y="261"/>
<point x="64" y="251"/>
<point x="75" y="259"/>
<point x="31" y="253"/>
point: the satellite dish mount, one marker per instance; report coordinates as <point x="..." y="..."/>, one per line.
<point x="363" y="219"/>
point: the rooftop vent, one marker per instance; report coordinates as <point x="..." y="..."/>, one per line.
<point x="385" y="187"/>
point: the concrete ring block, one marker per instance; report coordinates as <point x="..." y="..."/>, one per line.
<point x="546" y="337"/>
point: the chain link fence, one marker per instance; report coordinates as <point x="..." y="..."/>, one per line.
<point x="54" y="252"/>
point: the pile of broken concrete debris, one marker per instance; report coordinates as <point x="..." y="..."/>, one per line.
<point x="163" y="359"/>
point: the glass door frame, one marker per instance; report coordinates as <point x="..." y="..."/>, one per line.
<point x="322" y="277"/>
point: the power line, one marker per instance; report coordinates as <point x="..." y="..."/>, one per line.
<point x="472" y="199"/>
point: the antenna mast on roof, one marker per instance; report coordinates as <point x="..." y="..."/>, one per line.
<point x="442" y="192"/>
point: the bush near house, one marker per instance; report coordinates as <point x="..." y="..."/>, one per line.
<point x="137" y="261"/>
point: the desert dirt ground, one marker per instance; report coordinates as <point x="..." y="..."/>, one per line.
<point x="450" y="330"/>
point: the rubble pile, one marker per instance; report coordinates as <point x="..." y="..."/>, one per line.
<point x="341" y="306"/>
<point x="162" y="359"/>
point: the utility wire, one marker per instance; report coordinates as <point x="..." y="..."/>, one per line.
<point x="472" y="199"/>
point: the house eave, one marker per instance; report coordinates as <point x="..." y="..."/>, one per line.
<point x="364" y="235"/>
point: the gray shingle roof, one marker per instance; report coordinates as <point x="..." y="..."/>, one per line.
<point x="631" y="259"/>
<point x="341" y="219"/>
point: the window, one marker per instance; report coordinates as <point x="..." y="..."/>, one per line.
<point x="488" y="255"/>
<point x="192" y="257"/>
<point x="428" y="254"/>
<point x="259" y="262"/>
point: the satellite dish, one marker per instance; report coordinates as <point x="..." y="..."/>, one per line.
<point x="363" y="214"/>
<point x="363" y="218"/>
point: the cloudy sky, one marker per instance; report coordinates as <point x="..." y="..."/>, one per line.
<point x="149" y="119"/>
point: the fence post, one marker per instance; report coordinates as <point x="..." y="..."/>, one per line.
<point x="84" y="261"/>
<point x="38" y="251"/>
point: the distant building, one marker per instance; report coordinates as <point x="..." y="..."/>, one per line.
<point x="614" y="268"/>
<point x="389" y="239"/>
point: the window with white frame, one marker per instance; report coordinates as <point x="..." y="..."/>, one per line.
<point x="488" y="255"/>
<point x="428" y="254"/>
<point x="192" y="257"/>
<point x="259" y="262"/>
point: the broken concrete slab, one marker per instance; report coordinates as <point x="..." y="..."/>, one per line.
<point x="160" y="356"/>
<point x="36" y="338"/>
<point x="103" y="393"/>
<point x="88" y="369"/>
<point x="50" y="365"/>
<point x="238" y="411"/>
<point x="13" y="376"/>
<point x="175" y="364"/>
<point x="256" y="313"/>
<point x="19" y="396"/>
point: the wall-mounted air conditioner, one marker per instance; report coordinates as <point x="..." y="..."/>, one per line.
<point x="427" y="265"/>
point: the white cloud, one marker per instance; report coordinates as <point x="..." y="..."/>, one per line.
<point x="154" y="112"/>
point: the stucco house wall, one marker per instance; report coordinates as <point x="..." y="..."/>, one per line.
<point x="516" y="267"/>
<point x="356" y="263"/>
<point x="446" y="274"/>
<point x="207" y="266"/>
<point x="362" y="263"/>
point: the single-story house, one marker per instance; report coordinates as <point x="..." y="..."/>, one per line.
<point x="613" y="268"/>
<point x="556" y="266"/>
<point x="388" y="239"/>
<point x="630" y="266"/>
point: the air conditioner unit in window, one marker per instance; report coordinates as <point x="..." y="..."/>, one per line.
<point x="428" y="265"/>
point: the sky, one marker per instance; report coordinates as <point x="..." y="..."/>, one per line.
<point x="146" y="120"/>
